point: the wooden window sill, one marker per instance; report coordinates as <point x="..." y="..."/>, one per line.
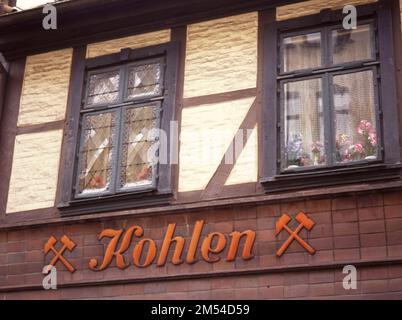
<point x="331" y="177"/>
<point x="115" y="202"/>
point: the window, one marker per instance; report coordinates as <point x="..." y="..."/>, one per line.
<point x="117" y="151"/>
<point x="120" y="129"/>
<point x="329" y="101"/>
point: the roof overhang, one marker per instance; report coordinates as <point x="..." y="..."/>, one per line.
<point x="86" y="21"/>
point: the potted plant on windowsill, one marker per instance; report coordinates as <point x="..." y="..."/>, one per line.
<point x="368" y="139"/>
<point x="294" y="151"/>
<point x="316" y="149"/>
<point x="364" y="149"/>
<point x="296" y="157"/>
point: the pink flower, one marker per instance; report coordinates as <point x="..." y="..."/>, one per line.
<point x="355" y="152"/>
<point x="364" y="127"/>
<point x="358" y="148"/>
<point x="373" y="138"/>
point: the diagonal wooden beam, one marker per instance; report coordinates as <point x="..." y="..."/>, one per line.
<point x="3" y="79"/>
<point x="217" y="182"/>
<point x="4" y="69"/>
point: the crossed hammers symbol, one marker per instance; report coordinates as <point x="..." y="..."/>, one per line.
<point x="305" y="222"/>
<point x="68" y="245"/>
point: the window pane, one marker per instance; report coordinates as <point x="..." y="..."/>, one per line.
<point x="302" y="52"/>
<point x="96" y="153"/>
<point x="355" y="117"/>
<point x="138" y="139"/>
<point x="352" y="45"/>
<point x="304" y="125"/>
<point x="144" y="81"/>
<point x="103" y="88"/>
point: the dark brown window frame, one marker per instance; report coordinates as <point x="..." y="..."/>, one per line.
<point x="117" y="108"/>
<point x="163" y="192"/>
<point x="325" y="73"/>
<point x="389" y="168"/>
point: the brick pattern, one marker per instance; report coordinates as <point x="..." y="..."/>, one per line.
<point x="133" y="42"/>
<point x="348" y="229"/>
<point x="221" y="55"/>
<point x="373" y="283"/>
<point x="34" y="171"/>
<point x="45" y="88"/>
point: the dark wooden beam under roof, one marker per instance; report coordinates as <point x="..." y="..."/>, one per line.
<point x="4" y="69"/>
<point x="86" y="21"/>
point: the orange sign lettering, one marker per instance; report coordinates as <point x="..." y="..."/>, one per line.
<point x="175" y="248"/>
<point x="211" y="246"/>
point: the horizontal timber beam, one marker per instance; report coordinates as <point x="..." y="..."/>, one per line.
<point x="88" y="21"/>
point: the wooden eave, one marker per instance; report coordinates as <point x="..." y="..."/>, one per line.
<point x="86" y="21"/>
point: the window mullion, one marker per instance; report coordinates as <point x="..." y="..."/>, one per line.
<point x="326" y="45"/>
<point x="328" y="109"/>
<point x="327" y="100"/>
<point x="117" y="153"/>
<point x="119" y="133"/>
<point x="156" y="165"/>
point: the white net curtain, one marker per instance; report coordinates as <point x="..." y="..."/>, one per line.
<point x="347" y="98"/>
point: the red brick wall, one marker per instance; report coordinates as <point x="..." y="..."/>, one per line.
<point x="365" y="230"/>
